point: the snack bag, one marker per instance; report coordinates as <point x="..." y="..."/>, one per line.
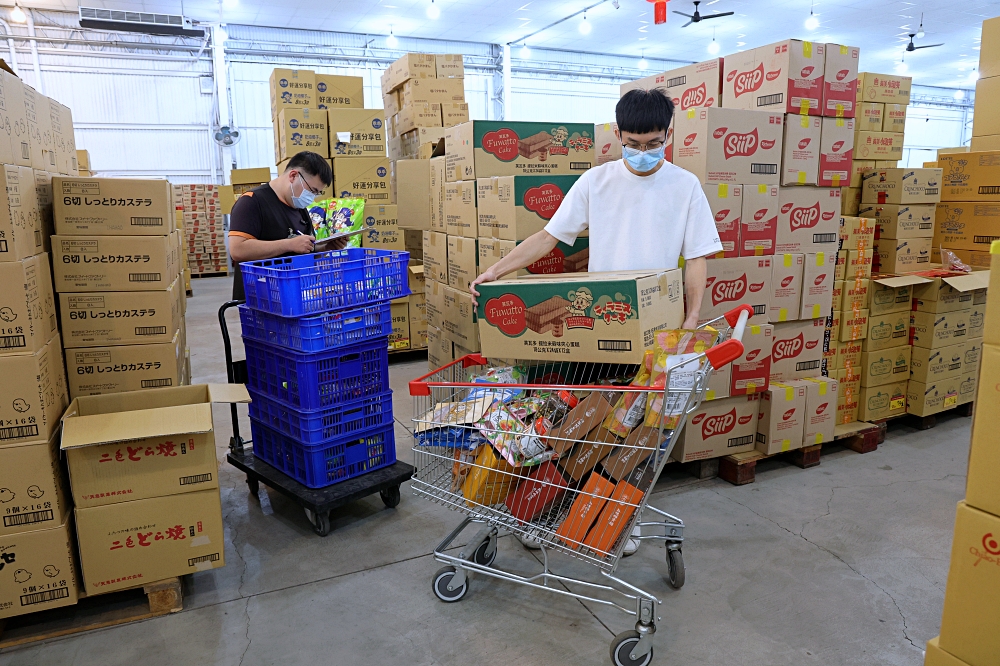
<point x="682" y="376"/>
<point x="683" y="341"/>
<point x="335" y="216"/>
<point x="631" y="406"/>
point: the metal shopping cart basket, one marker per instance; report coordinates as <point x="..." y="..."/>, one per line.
<point x="564" y="456"/>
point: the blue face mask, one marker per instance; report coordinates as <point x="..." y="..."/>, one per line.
<point x="305" y="199"/>
<point x="643" y="160"/>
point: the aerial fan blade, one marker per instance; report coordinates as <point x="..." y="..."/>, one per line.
<point x="928" y="46"/>
<point x="717" y="15"/>
<point x="687" y="24"/>
<point x="682" y="14"/>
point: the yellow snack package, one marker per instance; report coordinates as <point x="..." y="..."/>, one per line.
<point x="631" y="406"/>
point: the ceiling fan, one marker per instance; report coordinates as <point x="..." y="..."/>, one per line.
<point x="696" y="17"/>
<point x="910" y="47"/>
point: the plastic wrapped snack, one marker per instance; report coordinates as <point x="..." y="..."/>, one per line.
<point x="682" y="376"/>
<point x="631" y="406"/>
<point x="336" y="216"/>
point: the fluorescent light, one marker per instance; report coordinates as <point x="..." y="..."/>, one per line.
<point x="391" y="40"/>
<point x="713" y="47"/>
<point x="643" y="64"/>
<point x="17" y="14"/>
<point x="959" y="94"/>
<point x="525" y="52"/>
<point x="432" y="11"/>
<point x="230" y="4"/>
<point x="585" y="26"/>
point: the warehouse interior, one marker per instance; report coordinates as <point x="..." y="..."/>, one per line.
<point x="836" y="544"/>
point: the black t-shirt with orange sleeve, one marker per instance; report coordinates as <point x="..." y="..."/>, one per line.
<point x="261" y="215"/>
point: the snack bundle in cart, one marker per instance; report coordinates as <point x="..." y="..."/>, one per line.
<point x="565" y="455"/>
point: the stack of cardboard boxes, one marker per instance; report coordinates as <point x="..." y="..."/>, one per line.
<point x="118" y="274"/>
<point x="901" y="203"/>
<point x="83" y="163"/>
<point x="201" y="212"/>
<point x="985" y="125"/>
<point x="968" y="623"/>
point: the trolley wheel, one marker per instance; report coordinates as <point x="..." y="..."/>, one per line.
<point x="479" y="557"/>
<point x="675" y="568"/>
<point x="253" y="483"/>
<point x="320" y="521"/>
<point x="442" y="578"/>
<point x="390" y="497"/>
<point x="621" y="649"/>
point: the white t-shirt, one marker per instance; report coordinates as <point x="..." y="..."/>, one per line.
<point x="637" y="222"/>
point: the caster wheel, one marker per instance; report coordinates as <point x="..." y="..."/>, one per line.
<point x="254" y="485"/>
<point x="621" y="649"/>
<point x="442" y="579"/>
<point x="675" y="568"/>
<point x="479" y="557"/>
<point x="390" y="497"/>
<point x="320" y="522"/>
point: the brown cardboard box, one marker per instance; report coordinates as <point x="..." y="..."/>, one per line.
<point x="400" y="336"/>
<point x="785" y="295"/>
<point x="32" y="105"/>
<point x="449" y="66"/>
<point x="409" y="66"/>
<point x="34" y="395"/>
<point x="436" y="256"/>
<point x="904" y="255"/>
<point x="934" y="330"/>
<point x="836" y="152"/>
<point x="878" y="146"/>
<point x="418" y="331"/>
<point x="120" y="318"/>
<point x="935" y="656"/>
<point x="126" y="544"/>
<point x="884" y="88"/>
<point x="817" y="284"/>
<point x="858" y="265"/>
<point x="382" y="230"/>
<point x="459" y="323"/>
<point x="885" y="366"/>
<point x="967" y="225"/>
<point x="793" y="82"/>
<point x="593" y="316"/>
<point x="439" y="348"/>
<point x="20" y="225"/>
<point x="356" y="133"/>
<point x="43" y="199"/>
<point x="292" y="89"/>
<point x="987" y="97"/>
<point x="850" y="200"/>
<point x="492" y="250"/>
<point x="854" y="325"/>
<point x="730" y="282"/>
<point x="970" y="176"/>
<point x="858" y="167"/>
<point x="797" y="350"/>
<point x="955" y="292"/>
<point x="434" y="303"/>
<point x="939" y="396"/>
<point x="100" y="370"/>
<point x="366" y="177"/>
<point x="808" y="220"/>
<point x="334" y="92"/>
<point x="869" y="117"/>
<point x="984" y="457"/>
<point x="412" y="187"/>
<point x="820" y="409"/>
<point x="893" y="294"/>
<point x="856" y="233"/>
<point x="848" y="391"/>
<point x="887" y="330"/>
<point x="883" y="401"/>
<point x="718" y="428"/>
<point x="901" y="186"/>
<point x="113" y="263"/>
<point x="45" y="574"/>
<point x="112" y="206"/>
<point x="27" y="308"/>
<point x="431" y="91"/>
<point x="454" y="113"/>
<point x="255" y="177"/>
<point x="928" y="366"/>
<point x="9" y="115"/>
<point x="894" y="118"/>
<point x="515" y="207"/>
<point x="301" y="129"/>
<point x="460" y="209"/>
<point x="729" y="145"/>
<point x="781" y="418"/>
<point x="901" y="220"/>
<point x="982" y="143"/>
<point x="854" y="295"/>
<point x="485" y="148"/>
<point x="750" y="373"/>
<point x="34" y="487"/>
<point x="462" y="262"/>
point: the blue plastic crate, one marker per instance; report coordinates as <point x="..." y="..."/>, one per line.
<point x="320" y="332"/>
<point x="316" y="427"/>
<point x="330" y="462"/>
<point x="318" y="380"/>
<point x="324" y="281"/>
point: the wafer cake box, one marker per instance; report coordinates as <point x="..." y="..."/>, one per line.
<point x="485" y="148"/>
<point x="588" y="317"/>
<point x="515" y="207"/>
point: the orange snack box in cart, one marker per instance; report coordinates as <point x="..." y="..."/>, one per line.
<point x="617" y="512"/>
<point x="585" y="509"/>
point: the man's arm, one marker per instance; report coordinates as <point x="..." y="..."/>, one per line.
<point x="243" y="249"/>
<point x="528" y="252"/>
<point x="695" y="273"/>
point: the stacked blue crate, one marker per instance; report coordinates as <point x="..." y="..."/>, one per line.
<point x="315" y="330"/>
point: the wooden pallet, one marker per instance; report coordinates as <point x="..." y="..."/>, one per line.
<point x="94" y="612"/>
<point x="925" y="422"/>
<point x="741" y="468"/>
<point x="210" y="275"/>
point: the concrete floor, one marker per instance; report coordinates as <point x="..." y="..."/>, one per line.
<point x="844" y="563"/>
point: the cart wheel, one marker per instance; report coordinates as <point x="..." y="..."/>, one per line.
<point x="621" y="649"/>
<point x="390" y="497"/>
<point x="675" y="568"/>
<point x="479" y="557"/>
<point x="320" y="521"/>
<point x="253" y="484"/>
<point x="441" y="580"/>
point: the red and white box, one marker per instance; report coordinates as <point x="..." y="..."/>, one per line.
<point x="718" y="428"/>
<point x="731" y="282"/>
<point x="820" y="411"/>
<point x="781" y="418"/>
<point x="817" y="284"/>
<point x="759" y="221"/>
<point x="836" y="151"/>
<point x="786" y="287"/>
<point x="808" y="219"/>
<point x="787" y="77"/>
<point x="726" y="202"/>
<point x="690" y="86"/>
<point x="840" y="81"/>
<point x="729" y="145"/>
<point x="751" y="372"/>
<point x="797" y="350"/>
<point x="800" y="150"/>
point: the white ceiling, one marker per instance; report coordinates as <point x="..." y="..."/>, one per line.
<point x="879" y="27"/>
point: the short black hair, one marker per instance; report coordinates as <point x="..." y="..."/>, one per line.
<point x="313" y="164"/>
<point x="641" y="111"/>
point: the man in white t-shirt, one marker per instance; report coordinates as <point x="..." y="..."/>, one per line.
<point x="642" y="212"/>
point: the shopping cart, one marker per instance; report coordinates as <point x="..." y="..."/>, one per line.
<point x="565" y="457"/>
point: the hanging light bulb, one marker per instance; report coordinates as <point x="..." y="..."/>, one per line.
<point x="812" y="22"/>
<point x="17" y="15"/>
<point x="391" y="40"/>
<point x="713" y="46"/>
<point x="642" y="61"/>
<point x="432" y="11"/>
<point x="585" y="25"/>
<point x="525" y="52"/>
<point x="959" y="94"/>
<point x="902" y="67"/>
<point x="974" y="75"/>
<point x="920" y="30"/>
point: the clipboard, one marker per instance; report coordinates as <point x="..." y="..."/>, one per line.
<point x="328" y="243"/>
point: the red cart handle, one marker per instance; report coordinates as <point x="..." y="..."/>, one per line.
<point x="724" y="353"/>
<point x="733" y="315"/>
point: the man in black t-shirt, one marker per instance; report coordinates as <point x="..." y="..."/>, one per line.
<point x="272" y="220"/>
